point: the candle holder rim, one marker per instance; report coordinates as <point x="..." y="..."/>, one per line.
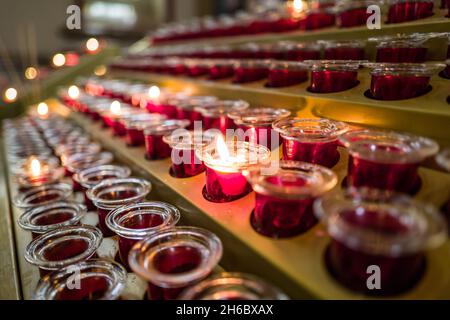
<point x="258" y="116"/>
<point x="194" y="139"/>
<point x="22" y="200"/>
<point x="221" y="107"/>
<point x="82" y="177"/>
<point x="95" y="159"/>
<point x="335" y="65"/>
<point x="51" y="176"/>
<point x="166" y="126"/>
<point x="415" y="69"/>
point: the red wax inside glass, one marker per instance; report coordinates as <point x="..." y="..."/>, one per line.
<point x="220" y="72"/>
<point x="301" y="54"/>
<point x="137" y="222"/>
<point x="401" y="54"/>
<point x="156" y="148"/>
<point x="192" y="167"/>
<point x="174" y="260"/>
<point x="321" y="153"/>
<point x="349" y="266"/>
<point x="279" y="218"/>
<point x="187" y="114"/>
<point x="222" y="123"/>
<point x="393" y="87"/>
<point x="353" y="17"/>
<point x="46" y="219"/>
<point x="245" y="74"/>
<point x="409" y="10"/>
<point x="44" y="198"/>
<point x="91" y="288"/>
<point x="225" y="186"/>
<point x="169" y="110"/>
<point x="135" y="137"/>
<point x="327" y="81"/>
<point x="284" y="77"/>
<point x="319" y="20"/>
<point x="196" y="71"/>
<point x="118" y="128"/>
<point x="259" y="134"/>
<point x="401" y="177"/>
<point x="344" y="53"/>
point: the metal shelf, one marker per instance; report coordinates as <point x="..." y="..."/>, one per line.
<point x="295" y="264"/>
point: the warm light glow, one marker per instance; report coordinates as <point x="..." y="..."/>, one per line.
<point x="154" y="92"/>
<point x="222" y="149"/>
<point x="297" y="5"/>
<point x="92" y="44"/>
<point x="115" y="107"/>
<point x="42" y="109"/>
<point x="100" y="71"/>
<point x="73" y="92"/>
<point x="35" y="167"/>
<point x="31" y="73"/>
<point x="59" y="60"/>
<point x="10" y="94"/>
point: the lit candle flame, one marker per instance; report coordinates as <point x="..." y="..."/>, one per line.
<point x="35" y="167"/>
<point x="73" y="92"/>
<point x="115" y="107"/>
<point x="222" y="149"/>
<point x="297" y="5"/>
<point x="42" y="109"/>
<point x="154" y="92"/>
<point x="92" y="44"/>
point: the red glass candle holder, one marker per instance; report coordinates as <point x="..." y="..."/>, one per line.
<point x="215" y="114"/>
<point x="296" y="51"/>
<point x="310" y="140"/>
<point x="80" y="161"/>
<point x="284" y="197"/>
<point x="184" y="161"/>
<point x="135" y="125"/>
<point x="161" y="105"/>
<point x="221" y="69"/>
<point x="233" y="286"/>
<point x="401" y="49"/>
<point x="286" y="73"/>
<point x="135" y="222"/>
<point x="186" y="109"/>
<point x="329" y="76"/>
<point x="196" y="67"/>
<point x="344" y="50"/>
<point x="155" y="147"/>
<point x="111" y="194"/>
<point x="370" y="227"/>
<point x="46" y="176"/>
<point x="386" y="160"/>
<point x="255" y="125"/>
<point x="352" y="13"/>
<point x="173" y="259"/>
<point x="41" y="219"/>
<point x="250" y="70"/>
<point x="99" y="280"/>
<point x="62" y="247"/>
<point x="408" y="10"/>
<point x="318" y="19"/>
<point x="40" y="196"/>
<point x="92" y="176"/>
<point x="401" y="81"/>
<point x="224" y="163"/>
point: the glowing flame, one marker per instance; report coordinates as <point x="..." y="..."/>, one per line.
<point x="59" y="60"/>
<point x="10" y="94"/>
<point x="222" y="149"/>
<point x="73" y="92"/>
<point x="154" y="92"/>
<point x="115" y="107"/>
<point x="42" y="109"/>
<point x="297" y="5"/>
<point x="92" y="44"/>
<point x="35" y="167"/>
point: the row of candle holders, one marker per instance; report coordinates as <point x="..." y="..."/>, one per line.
<point x="297" y="15"/>
<point x="380" y="164"/>
<point x="411" y="48"/>
<point x="176" y="261"/>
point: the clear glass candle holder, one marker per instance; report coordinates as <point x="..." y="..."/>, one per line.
<point x="99" y="280"/>
<point x="173" y="259"/>
<point x="393" y="81"/>
<point x="370" y="227"/>
<point x="329" y="76"/>
<point x="310" y="140"/>
<point x="409" y="10"/>
<point x="343" y="50"/>
<point x="92" y="176"/>
<point x="284" y="197"/>
<point x="43" y="195"/>
<point x="401" y="49"/>
<point x="250" y="70"/>
<point x="255" y="125"/>
<point x="183" y="144"/>
<point x="135" y="125"/>
<point x="353" y="13"/>
<point x="111" y="194"/>
<point x="221" y="69"/>
<point x="214" y="115"/>
<point x="233" y="286"/>
<point x="385" y="159"/>
<point x="286" y="73"/>
<point x="66" y="150"/>
<point x="224" y="163"/>
<point x="135" y="222"/>
<point x="186" y="109"/>
<point x="155" y="147"/>
<point x="41" y="219"/>
<point x="196" y="67"/>
<point x="62" y="247"/>
<point x="80" y="161"/>
<point x="318" y="19"/>
<point x="46" y="176"/>
<point x="297" y="51"/>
